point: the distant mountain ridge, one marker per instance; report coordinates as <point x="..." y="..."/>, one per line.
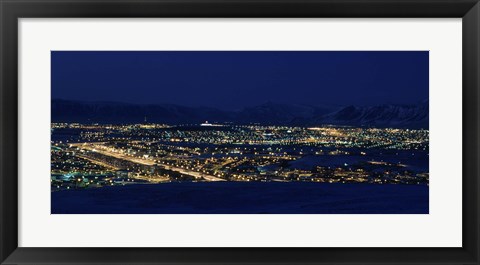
<point x="415" y="116"/>
<point x="402" y="116"/>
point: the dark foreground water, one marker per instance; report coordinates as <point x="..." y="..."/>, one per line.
<point x="244" y="198"/>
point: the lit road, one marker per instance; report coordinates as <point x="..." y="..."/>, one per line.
<point x="96" y="147"/>
<point x="98" y="162"/>
<point x="193" y="173"/>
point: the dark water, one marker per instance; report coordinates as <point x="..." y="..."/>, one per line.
<point x="244" y="198"/>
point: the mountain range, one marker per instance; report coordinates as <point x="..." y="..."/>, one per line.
<point x="387" y="115"/>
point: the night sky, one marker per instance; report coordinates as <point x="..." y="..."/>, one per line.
<point x="231" y="80"/>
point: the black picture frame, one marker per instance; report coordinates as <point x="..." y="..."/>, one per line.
<point x="11" y="10"/>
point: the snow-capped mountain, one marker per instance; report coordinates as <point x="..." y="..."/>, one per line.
<point x="408" y="116"/>
<point x="383" y="115"/>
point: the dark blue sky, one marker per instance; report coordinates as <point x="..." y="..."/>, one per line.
<point x="235" y="79"/>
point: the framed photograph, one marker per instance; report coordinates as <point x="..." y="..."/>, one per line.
<point x="239" y="132"/>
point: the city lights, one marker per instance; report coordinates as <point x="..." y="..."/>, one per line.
<point x="97" y="155"/>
